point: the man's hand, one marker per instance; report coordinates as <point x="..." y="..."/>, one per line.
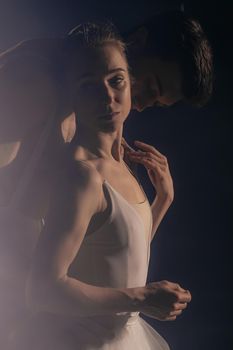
<point x="157" y="168"/>
<point x="164" y="300"/>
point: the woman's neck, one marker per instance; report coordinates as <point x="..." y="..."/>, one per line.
<point x="91" y="144"/>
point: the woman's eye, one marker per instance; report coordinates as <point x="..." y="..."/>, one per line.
<point x="117" y="81"/>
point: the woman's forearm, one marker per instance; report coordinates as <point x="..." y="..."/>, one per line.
<point x="71" y="297"/>
<point x="159" y="207"/>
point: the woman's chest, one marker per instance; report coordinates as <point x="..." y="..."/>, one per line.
<point x="122" y="180"/>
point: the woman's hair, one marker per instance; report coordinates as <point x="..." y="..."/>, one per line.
<point x="174" y="36"/>
<point x="91" y="35"/>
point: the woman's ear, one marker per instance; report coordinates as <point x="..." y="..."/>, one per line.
<point x="137" y="39"/>
<point x="68" y="127"/>
<point x="8" y="152"/>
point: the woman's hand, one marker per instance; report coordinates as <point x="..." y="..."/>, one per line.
<point x="157" y="168"/>
<point x="164" y="300"/>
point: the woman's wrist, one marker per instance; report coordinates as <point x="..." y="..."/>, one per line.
<point x="135" y="298"/>
<point x="163" y="200"/>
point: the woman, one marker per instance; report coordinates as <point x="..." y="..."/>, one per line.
<point x="87" y="281"/>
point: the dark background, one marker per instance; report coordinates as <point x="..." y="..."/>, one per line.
<point x="193" y="245"/>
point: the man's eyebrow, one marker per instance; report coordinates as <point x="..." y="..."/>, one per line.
<point x="91" y="74"/>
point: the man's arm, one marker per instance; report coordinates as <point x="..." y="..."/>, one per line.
<point x="28" y="95"/>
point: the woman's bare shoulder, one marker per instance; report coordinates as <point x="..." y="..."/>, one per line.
<point x="77" y="192"/>
<point x="81" y="176"/>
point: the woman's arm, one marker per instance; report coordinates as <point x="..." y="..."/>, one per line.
<point x="159" y="208"/>
<point x="49" y="287"/>
<point x="159" y="174"/>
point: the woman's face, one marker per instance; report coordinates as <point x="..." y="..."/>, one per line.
<point x="101" y="88"/>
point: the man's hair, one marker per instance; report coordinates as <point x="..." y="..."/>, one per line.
<point x="173" y="36"/>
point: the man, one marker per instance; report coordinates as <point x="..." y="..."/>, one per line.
<point x="171" y="60"/>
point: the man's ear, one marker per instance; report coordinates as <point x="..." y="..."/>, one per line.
<point x="137" y="39"/>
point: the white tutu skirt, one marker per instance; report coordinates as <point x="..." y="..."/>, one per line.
<point x="121" y="332"/>
<point x="136" y="334"/>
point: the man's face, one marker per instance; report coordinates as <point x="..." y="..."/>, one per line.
<point x="155" y="83"/>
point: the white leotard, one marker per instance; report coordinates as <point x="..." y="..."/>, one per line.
<point x="115" y="255"/>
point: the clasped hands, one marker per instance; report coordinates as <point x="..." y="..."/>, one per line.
<point x="164" y="300"/>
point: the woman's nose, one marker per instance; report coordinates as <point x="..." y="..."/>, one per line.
<point x="108" y="95"/>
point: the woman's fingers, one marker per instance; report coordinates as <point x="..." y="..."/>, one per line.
<point x="174" y="286"/>
<point x="148" y="155"/>
<point x="149" y="148"/>
<point x="162" y="315"/>
<point x="148" y="163"/>
<point x="166" y="315"/>
<point x="165" y="300"/>
<point x="183" y="297"/>
<point x="178" y="308"/>
<point x="173" y="318"/>
<point x="126" y="145"/>
<point x="157" y="168"/>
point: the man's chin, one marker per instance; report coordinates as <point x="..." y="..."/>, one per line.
<point x="138" y="104"/>
<point x="135" y="106"/>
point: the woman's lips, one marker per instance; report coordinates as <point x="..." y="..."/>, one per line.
<point x="109" y="115"/>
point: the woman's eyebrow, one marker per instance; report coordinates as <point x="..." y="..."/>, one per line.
<point x="114" y="70"/>
<point x="89" y="75"/>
